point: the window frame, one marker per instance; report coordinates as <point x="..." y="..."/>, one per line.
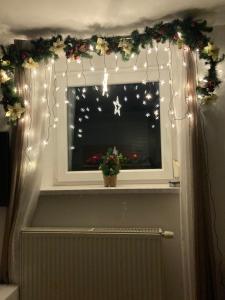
<point x="126" y="75"/>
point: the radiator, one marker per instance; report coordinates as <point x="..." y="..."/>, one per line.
<point x="91" y="264"/>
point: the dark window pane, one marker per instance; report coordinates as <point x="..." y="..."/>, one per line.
<point x="127" y="118"/>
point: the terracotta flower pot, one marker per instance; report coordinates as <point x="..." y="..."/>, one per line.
<point x="110" y="181"/>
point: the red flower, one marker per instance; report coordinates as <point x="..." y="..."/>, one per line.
<point x="24" y="55"/>
<point x="83" y="48"/>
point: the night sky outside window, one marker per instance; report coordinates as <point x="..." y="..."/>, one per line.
<point x="127" y="117"/>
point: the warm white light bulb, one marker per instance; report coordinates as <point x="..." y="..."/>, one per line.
<point x="156" y="112"/>
<point x="105" y="82"/>
<point x="45" y="142"/>
<point x="148" y="96"/>
<point x="34" y="72"/>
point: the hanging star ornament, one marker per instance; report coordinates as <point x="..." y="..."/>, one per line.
<point x="117" y="106"/>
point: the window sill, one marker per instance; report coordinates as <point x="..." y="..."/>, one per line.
<point x="120" y="189"/>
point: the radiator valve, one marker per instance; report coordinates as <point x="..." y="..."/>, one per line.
<point x="167" y="234"/>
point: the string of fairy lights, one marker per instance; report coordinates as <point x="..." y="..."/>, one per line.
<point x="51" y="107"/>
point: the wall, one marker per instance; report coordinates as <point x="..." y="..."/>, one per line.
<point x="120" y="210"/>
<point x="214" y="130"/>
<point x="215" y="124"/>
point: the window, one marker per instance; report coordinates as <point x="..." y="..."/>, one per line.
<point x="142" y="131"/>
<point x="127" y="117"/>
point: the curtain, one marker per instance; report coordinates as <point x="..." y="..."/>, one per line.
<point x="28" y="140"/>
<point x="199" y="268"/>
<point x="205" y="265"/>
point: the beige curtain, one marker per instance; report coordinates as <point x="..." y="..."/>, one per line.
<point x="196" y="227"/>
<point x="205" y="266"/>
<point x="27" y="148"/>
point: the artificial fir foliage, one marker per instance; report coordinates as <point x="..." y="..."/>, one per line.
<point x="111" y="162"/>
<point x="183" y="33"/>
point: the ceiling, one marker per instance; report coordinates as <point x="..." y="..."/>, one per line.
<point x="27" y="18"/>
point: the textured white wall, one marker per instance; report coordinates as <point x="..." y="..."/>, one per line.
<point x="116" y="210"/>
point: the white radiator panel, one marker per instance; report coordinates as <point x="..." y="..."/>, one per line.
<point x="91" y="265"/>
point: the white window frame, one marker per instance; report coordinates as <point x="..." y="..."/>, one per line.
<point x="126" y="75"/>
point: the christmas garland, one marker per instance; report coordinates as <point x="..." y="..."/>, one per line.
<point x="184" y="33"/>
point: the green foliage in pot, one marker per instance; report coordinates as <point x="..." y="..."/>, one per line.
<point x="111" y="162"/>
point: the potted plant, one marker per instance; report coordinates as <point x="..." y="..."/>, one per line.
<point x="110" y="166"/>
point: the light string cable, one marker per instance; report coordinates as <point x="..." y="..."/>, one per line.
<point x="146" y="66"/>
<point x="55" y="104"/>
<point x="65" y="74"/>
<point x="28" y="117"/>
<point x="83" y="73"/>
<point x="212" y="198"/>
<point x="105" y="79"/>
<point x="92" y="68"/>
<point x="48" y="109"/>
<point x="135" y="66"/>
<point x="187" y="96"/>
<point x="172" y="113"/>
<point x="158" y="66"/>
<point x="116" y="63"/>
